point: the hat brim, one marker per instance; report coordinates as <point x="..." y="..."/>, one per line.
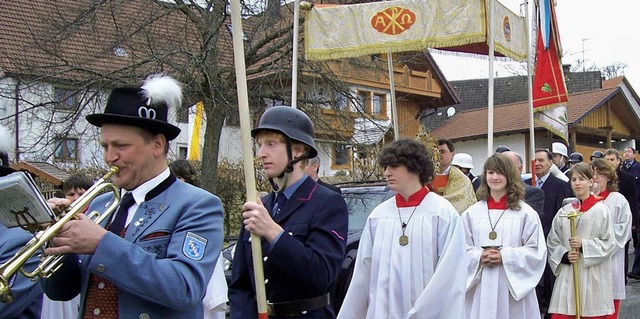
<point x="170" y="131"/>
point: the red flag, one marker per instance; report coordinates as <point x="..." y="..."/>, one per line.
<point x="549" y="90"/>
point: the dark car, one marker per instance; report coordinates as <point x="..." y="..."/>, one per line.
<point x="361" y="200"/>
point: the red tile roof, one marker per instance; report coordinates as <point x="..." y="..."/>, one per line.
<point x="612" y="82"/>
<point x="512" y="118"/>
<point x="77" y="38"/>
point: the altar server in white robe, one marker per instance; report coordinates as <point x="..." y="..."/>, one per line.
<point x="505" y="244"/>
<point x="411" y="260"/>
<point x="590" y="249"/>
<point x="605" y="187"/>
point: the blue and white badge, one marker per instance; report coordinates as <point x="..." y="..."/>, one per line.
<point x="194" y="245"/>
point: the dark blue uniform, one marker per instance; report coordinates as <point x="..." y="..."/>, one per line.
<point x="304" y="262"/>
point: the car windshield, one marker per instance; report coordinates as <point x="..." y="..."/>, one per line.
<point x="361" y="201"/>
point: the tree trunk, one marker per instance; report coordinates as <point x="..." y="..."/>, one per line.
<point x="215" y="120"/>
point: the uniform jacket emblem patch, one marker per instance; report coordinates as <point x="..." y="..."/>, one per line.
<point x="194" y="245"/>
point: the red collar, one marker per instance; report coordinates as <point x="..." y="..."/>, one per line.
<point x="588" y="202"/>
<point x="501" y="204"/>
<point x="414" y="200"/>
<point x="603" y="195"/>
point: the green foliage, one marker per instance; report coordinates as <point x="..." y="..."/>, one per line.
<point x="232" y="193"/>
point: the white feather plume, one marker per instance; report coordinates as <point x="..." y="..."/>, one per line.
<point x="6" y="139"/>
<point x="158" y="88"/>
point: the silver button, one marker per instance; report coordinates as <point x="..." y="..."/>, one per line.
<point x="96" y="311"/>
<point x="144" y="315"/>
<point x="265" y="259"/>
<point x="249" y="238"/>
<point x="266" y="281"/>
<point x="290" y="234"/>
<point x="101" y="285"/>
<point x="100" y="268"/>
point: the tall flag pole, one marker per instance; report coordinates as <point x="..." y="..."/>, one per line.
<point x="549" y="91"/>
<point x="247" y="152"/>
<point x="490" y="13"/>
<point x="392" y="95"/>
<point x="294" y="62"/>
<point x="532" y="141"/>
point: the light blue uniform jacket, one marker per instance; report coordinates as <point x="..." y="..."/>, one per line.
<point x="26" y="293"/>
<point x="162" y="265"/>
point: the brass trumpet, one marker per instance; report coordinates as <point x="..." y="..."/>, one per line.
<point x="49" y="264"/>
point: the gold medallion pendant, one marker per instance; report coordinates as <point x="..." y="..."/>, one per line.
<point x="404" y="240"/>
<point x="493" y="235"/>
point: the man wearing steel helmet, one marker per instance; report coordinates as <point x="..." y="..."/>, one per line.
<point x="303" y="226"/>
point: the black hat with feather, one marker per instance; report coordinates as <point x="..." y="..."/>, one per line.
<point x="146" y="107"/>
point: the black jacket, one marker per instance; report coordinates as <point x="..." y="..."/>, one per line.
<point x="555" y="190"/>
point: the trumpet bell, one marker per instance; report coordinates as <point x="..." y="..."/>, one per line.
<point x="49" y="264"/>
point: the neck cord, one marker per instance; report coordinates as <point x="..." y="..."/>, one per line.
<point x="493" y="235"/>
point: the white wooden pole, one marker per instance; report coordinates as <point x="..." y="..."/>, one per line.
<point x="392" y="89"/>
<point x="247" y="151"/>
<point x="532" y="142"/>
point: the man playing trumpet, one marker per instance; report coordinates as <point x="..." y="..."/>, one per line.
<point x="154" y="256"/>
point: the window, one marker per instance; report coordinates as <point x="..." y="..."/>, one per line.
<point x="66" y="149"/>
<point x="64" y="99"/>
<point x="371" y="103"/>
<point x="340" y="156"/>
<point x="182" y="152"/>
<point x="362" y="102"/>
<point x="341" y="102"/>
<point x="378" y="105"/>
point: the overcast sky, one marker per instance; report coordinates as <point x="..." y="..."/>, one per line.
<point x="607" y="29"/>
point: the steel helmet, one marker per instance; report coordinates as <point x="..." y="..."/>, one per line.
<point x="596" y="154"/>
<point x="575" y="157"/>
<point x="463" y="160"/>
<point x="502" y="148"/>
<point x="290" y="122"/>
<point x="559" y="148"/>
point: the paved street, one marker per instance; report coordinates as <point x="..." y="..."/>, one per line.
<point x="630" y="308"/>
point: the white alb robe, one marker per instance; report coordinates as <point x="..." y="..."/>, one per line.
<point x="424" y="279"/>
<point x="507" y="290"/>
<point x="215" y="299"/>
<point x="595" y="228"/>
<point x="53" y="309"/>
<point x="621" y="216"/>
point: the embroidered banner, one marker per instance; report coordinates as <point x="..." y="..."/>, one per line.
<point x="342" y="31"/>
<point x="549" y="90"/>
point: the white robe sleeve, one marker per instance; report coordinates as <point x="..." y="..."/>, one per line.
<point x="356" y="301"/>
<point x="444" y="295"/>
<point x="474" y="269"/>
<point x="598" y="249"/>
<point x="524" y="265"/>
<point x="554" y="244"/>
<point x="621" y="215"/>
<point x="215" y="298"/>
